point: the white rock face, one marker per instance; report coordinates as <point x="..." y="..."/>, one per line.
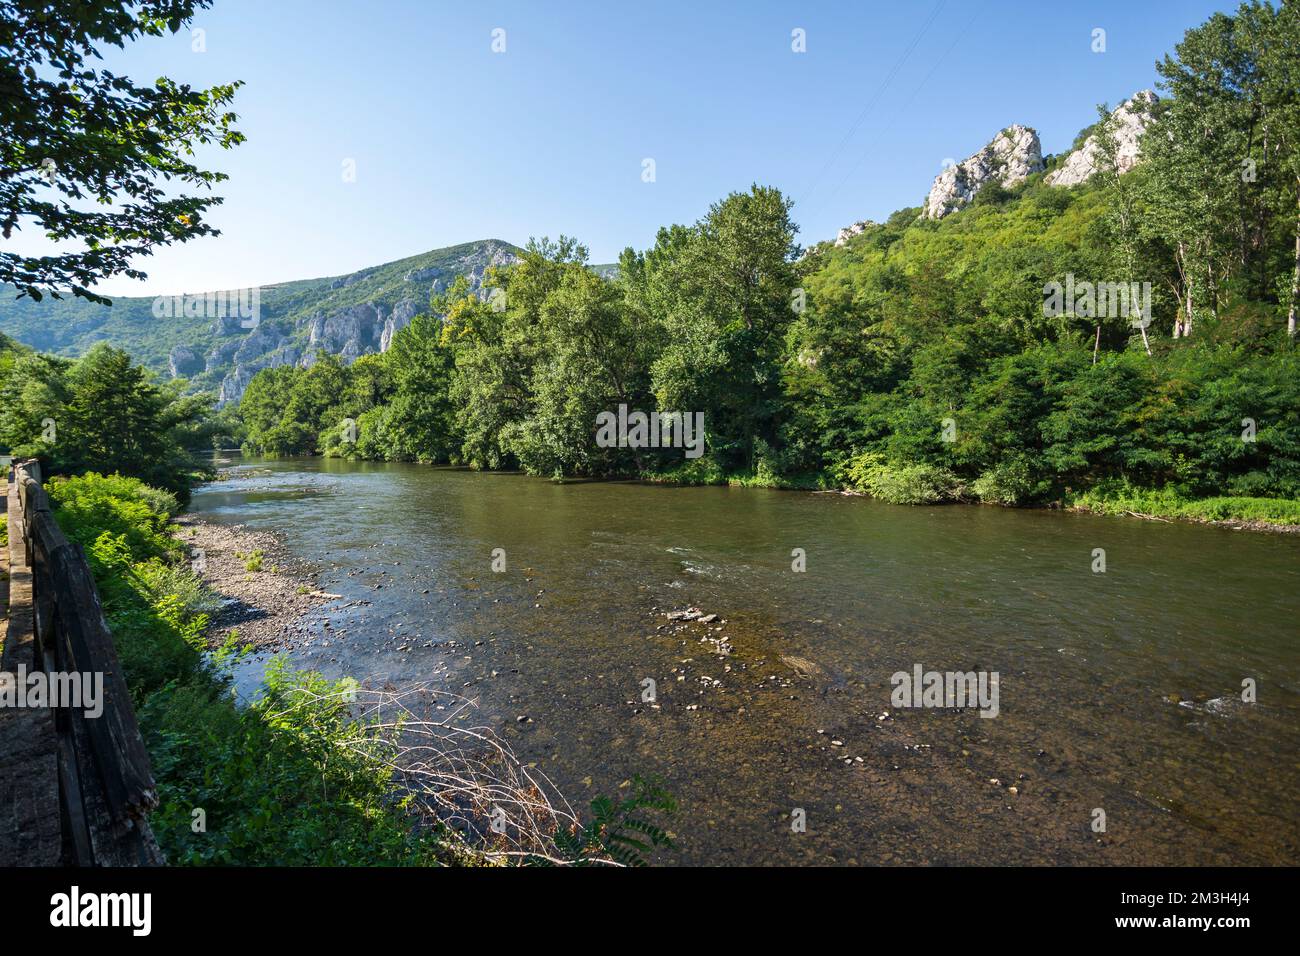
<point x="1012" y="156"/>
<point x="848" y="232"/>
<point x="403" y="312"/>
<point x="1131" y="119"/>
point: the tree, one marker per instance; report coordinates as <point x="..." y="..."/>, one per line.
<point x="593" y="357"/>
<point x="420" y="423"/>
<point x="1195" y="148"/>
<point x="1279" y="67"/>
<point x="497" y="350"/>
<point x="723" y="291"/>
<point x="101" y="413"/>
<point x="1121" y="223"/>
<point x="263" y="404"/>
<point x="88" y="155"/>
<point x="1225" y="157"/>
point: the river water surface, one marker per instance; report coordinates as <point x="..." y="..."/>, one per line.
<point x="1118" y="691"/>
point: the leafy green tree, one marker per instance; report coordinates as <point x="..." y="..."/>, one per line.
<point x="1278" y="51"/>
<point x="497" y="350"/>
<point x="420" y="422"/>
<point x="724" y="293"/>
<point x="592" y="358"/>
<point x="314" y="418"/>
<point x="262" y="407"/>
<point x="88" y="155"/>
<point x="1224" y="158"/>
<point x="102" y="413"/>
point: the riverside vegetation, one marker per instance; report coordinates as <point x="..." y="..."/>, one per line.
<point x="917" y="362"/>
<point x="291" y="778"/>
<point x="837" y="369"/>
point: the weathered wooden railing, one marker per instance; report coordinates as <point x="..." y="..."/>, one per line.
<point x="75" y="789"/>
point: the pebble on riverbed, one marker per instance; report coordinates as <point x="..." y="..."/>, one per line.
<point x="267" y="607"/>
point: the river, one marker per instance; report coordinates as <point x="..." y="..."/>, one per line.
<point x="1118" y="691"/>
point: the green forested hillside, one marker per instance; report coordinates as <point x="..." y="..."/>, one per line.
<point x="923" y="361"/>
<point x="71" y="326"/>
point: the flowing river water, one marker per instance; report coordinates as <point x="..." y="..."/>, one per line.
<point x="1118" y="692"/>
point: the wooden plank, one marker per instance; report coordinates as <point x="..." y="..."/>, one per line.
<point x="71" y="787"/>
<point x="30" y="825"/>
<point x="121" y="760"/>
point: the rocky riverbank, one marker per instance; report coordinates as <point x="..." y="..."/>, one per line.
<point x="264" y="592"/>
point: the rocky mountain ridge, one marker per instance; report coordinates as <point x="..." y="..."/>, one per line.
<point x="347" y="316"/>
<point x="1011" y="157"/>
<point x="1129" y="121"/>
<point x="1015" y="154"/>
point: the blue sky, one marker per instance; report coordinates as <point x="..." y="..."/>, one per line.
<point x="453" y="142"/>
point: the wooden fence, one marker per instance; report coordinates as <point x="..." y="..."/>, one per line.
<point x="74" y="789"/>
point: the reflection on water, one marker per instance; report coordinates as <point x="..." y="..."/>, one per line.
<point x="1119" y="691"/>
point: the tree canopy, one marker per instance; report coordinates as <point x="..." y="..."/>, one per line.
<point x="89" y="156"/>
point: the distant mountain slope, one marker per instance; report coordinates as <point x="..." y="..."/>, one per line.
<point x="348" y="316"/>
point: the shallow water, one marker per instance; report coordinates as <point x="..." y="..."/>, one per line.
<point x="1087" y="662"/>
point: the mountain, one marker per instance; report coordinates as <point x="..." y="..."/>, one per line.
<point x="1014" y="155"/>
<point x="212" y="339"/>
<point x="1131" y="119"/>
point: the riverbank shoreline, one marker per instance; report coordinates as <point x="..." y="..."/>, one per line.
<point x="1228" y="524"/>
<point x="265" y="592"/>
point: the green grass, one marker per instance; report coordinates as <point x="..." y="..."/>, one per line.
<point x="1170" y="503"/>
<point x="704" y="471"/>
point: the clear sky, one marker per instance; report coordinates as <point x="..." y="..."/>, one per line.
<point x="453" y="142"/>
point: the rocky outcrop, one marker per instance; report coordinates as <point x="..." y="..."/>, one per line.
<point x="1015" y="154"/>
<point x="352" y="330"/>
<point x="400" y="318"/>
<point x="848" y="232"/>
<point x="1012" y="156"/>
<point x="221" y="355"/>
<point x="182" y="362"/>
<point x="250" y="360"/>
<point x="347" y="331"/>
<point x="1128" y="122"/>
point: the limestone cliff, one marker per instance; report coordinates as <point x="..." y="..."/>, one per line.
<point x="1012" y="156"/>
<point x="1128" y="122"/>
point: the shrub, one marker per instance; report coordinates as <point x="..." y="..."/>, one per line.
<point x="704" y="470"/>
<point x="902" y="484"/>
<point x="1115" y="498"/>
<point x="91" y="504"/>
<point x="1008" y="483"/>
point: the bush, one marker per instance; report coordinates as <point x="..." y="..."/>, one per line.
<point x="902" y="484"/>
<point x="704" y="470"/>
<point x="1009" y="483"/>
<point x="92" y="504"/>
<point x="1116" y="498"/>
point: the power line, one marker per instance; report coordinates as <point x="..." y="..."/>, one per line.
<point x="957" y="39"/>
<point x="872" y="102"/>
